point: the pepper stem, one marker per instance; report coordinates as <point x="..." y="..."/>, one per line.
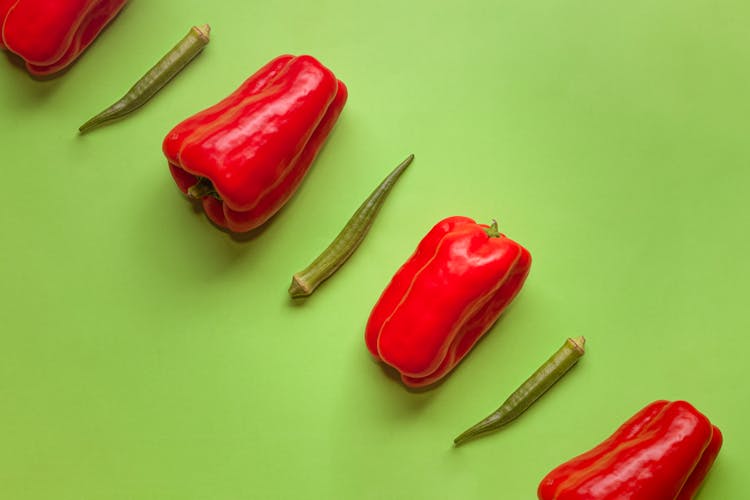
<point x="492" y="231"/>
<point x="201" y="188"/>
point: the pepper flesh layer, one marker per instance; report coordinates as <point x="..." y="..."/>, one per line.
<point x="444" y="298"/>
<point x="663" y="452"/>
<point x="256" y="145"/>
<point x="50" y="34"/>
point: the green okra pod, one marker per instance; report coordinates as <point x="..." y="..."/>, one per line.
<point x="158" y="76"/>
<point x="536" y="385"/>
<point x="347" y="241"/>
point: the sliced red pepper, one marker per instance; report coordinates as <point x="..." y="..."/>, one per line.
<point x="444" y="298"/>
<point x="50" y="34"/>
<point x="255" y="146"/>
<point x="663" y="452"/>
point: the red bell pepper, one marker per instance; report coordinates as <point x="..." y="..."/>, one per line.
<point x="50" y="34"/>
<point x="663" y="452"/>
<point x="444" y="298"/>
<point x="245" y="156"/>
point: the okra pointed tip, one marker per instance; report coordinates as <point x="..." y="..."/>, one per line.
<point x="86" y="127"/>
<point x="405" y="163"/>
<point x="458" y="441"/>
<point x="479" y="429"/>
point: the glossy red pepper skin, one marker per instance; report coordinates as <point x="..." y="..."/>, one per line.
<point x="444" y="298"/>
<point x="663" y="452"/>
<point x="50" y="34"/>
<point x="256" y="145"/>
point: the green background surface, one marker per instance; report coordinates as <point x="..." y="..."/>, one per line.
<point x="147" y="355"/>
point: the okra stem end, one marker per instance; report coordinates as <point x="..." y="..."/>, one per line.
<point x="578" y="343"/>
<point x="299" y="288"/>
<point x="204" y="31"/>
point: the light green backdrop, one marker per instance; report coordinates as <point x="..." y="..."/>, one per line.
<point x="147" y="355"/>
